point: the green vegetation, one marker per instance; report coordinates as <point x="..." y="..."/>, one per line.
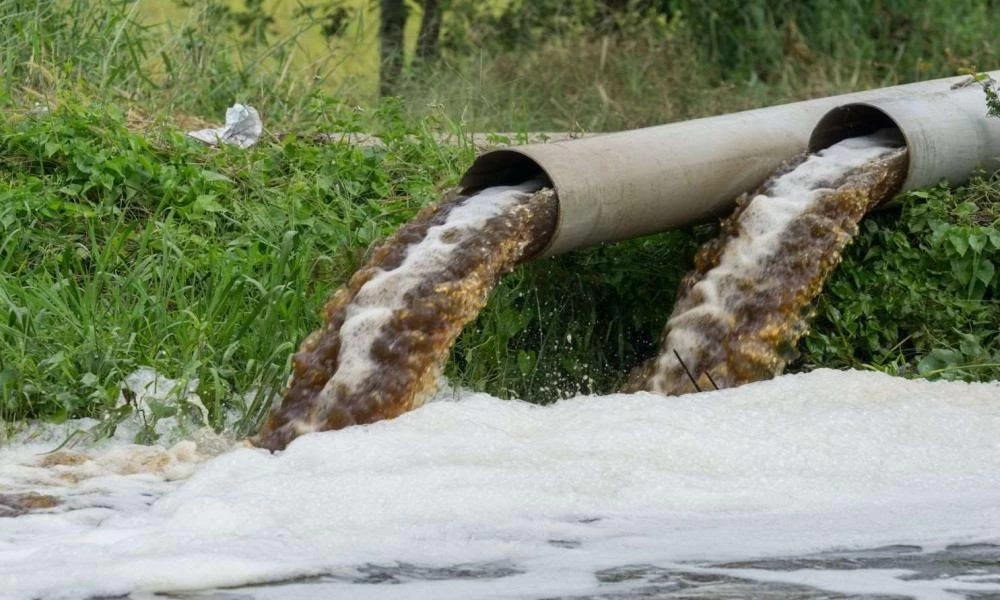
<point x="613" y="64"/>
<point x="502" y="65"/>
<point x="918" y="291"/>
<point x="124" y="243"/>
<point x="123" y="249"/>
<point x="989" y="86"/>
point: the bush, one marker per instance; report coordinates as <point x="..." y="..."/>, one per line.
<point x="917" y="293"/>
<point x="123" y="248"/>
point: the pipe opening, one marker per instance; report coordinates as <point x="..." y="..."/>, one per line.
<point x="502" y="167"/>
<point x="510" y="167"/>
<point x="856" y="120"/>
<point x="851" y="120"/>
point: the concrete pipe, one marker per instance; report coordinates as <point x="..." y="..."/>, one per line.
<point x="633" y="183"/>
<point x="947" y="134"/>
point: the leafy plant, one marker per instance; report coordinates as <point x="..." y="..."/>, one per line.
<point x="124" y="249"/>
<point x="917" y="292"/>
<point x="124" y="244"/>
<point x="992" y="95"/>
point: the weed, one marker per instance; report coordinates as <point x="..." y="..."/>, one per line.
<point x="209" y="265"/>
<point x="124" y="244"/>
<point x="989" y="86"/>
<point x="917" y="291"/>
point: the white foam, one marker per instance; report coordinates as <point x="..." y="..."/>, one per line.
<point x="798" y="464"/>
<point x="766" y="216"/>
<point x="147" y="389"/>
<point x="378" y="298"/>
<point x="148" y="386"/>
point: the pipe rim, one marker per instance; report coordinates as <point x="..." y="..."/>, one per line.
<point x="509" y="166"/>
<point x="856" y="119"/>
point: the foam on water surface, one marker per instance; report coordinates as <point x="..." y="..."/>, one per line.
<point x="616" y="494"/>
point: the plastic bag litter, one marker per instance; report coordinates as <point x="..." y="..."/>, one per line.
<point x="243" y="128"/>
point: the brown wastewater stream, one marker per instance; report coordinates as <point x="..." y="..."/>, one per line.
<point x="738" y="314"/>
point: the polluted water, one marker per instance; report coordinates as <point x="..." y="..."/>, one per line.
<point x="741" y="311"/>
<point x="831" y="484"/>
<point x="737" y="318"/>
<point x="822" y="485"/>
<point x="387" y="333"/>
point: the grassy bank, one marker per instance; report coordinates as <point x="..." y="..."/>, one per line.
<point x="125" y="248"/>
<point x="126" y="244"/>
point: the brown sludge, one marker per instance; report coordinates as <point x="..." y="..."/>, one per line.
<point x="15" y="505"/>
<point x="412" y="346"/>
<point x="771" y="313"/>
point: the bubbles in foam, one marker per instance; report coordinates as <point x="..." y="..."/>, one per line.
<point x="557" y="498"/>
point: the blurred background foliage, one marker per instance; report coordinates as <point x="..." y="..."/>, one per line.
<point x="498" y="64"/>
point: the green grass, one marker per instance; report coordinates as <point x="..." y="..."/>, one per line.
<point x="123" y="249"/>
<point x="543" y="64"/>
<point x="124" y="244"/>
<point x="127" y="248"/>
<point x="918" y="292"/>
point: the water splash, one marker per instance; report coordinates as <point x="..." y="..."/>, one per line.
<point x="386" y="334"/>
<point x="741" y="311"/>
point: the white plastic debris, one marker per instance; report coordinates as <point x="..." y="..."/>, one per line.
<point x="243" y="128"/>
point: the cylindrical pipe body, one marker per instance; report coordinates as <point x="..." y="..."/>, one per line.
<point x="947" y="134"/>
<point x="628" y="184"/>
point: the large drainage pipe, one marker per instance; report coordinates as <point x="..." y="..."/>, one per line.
<point x="628" y="184"/>
<point x="947" y="134"/>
